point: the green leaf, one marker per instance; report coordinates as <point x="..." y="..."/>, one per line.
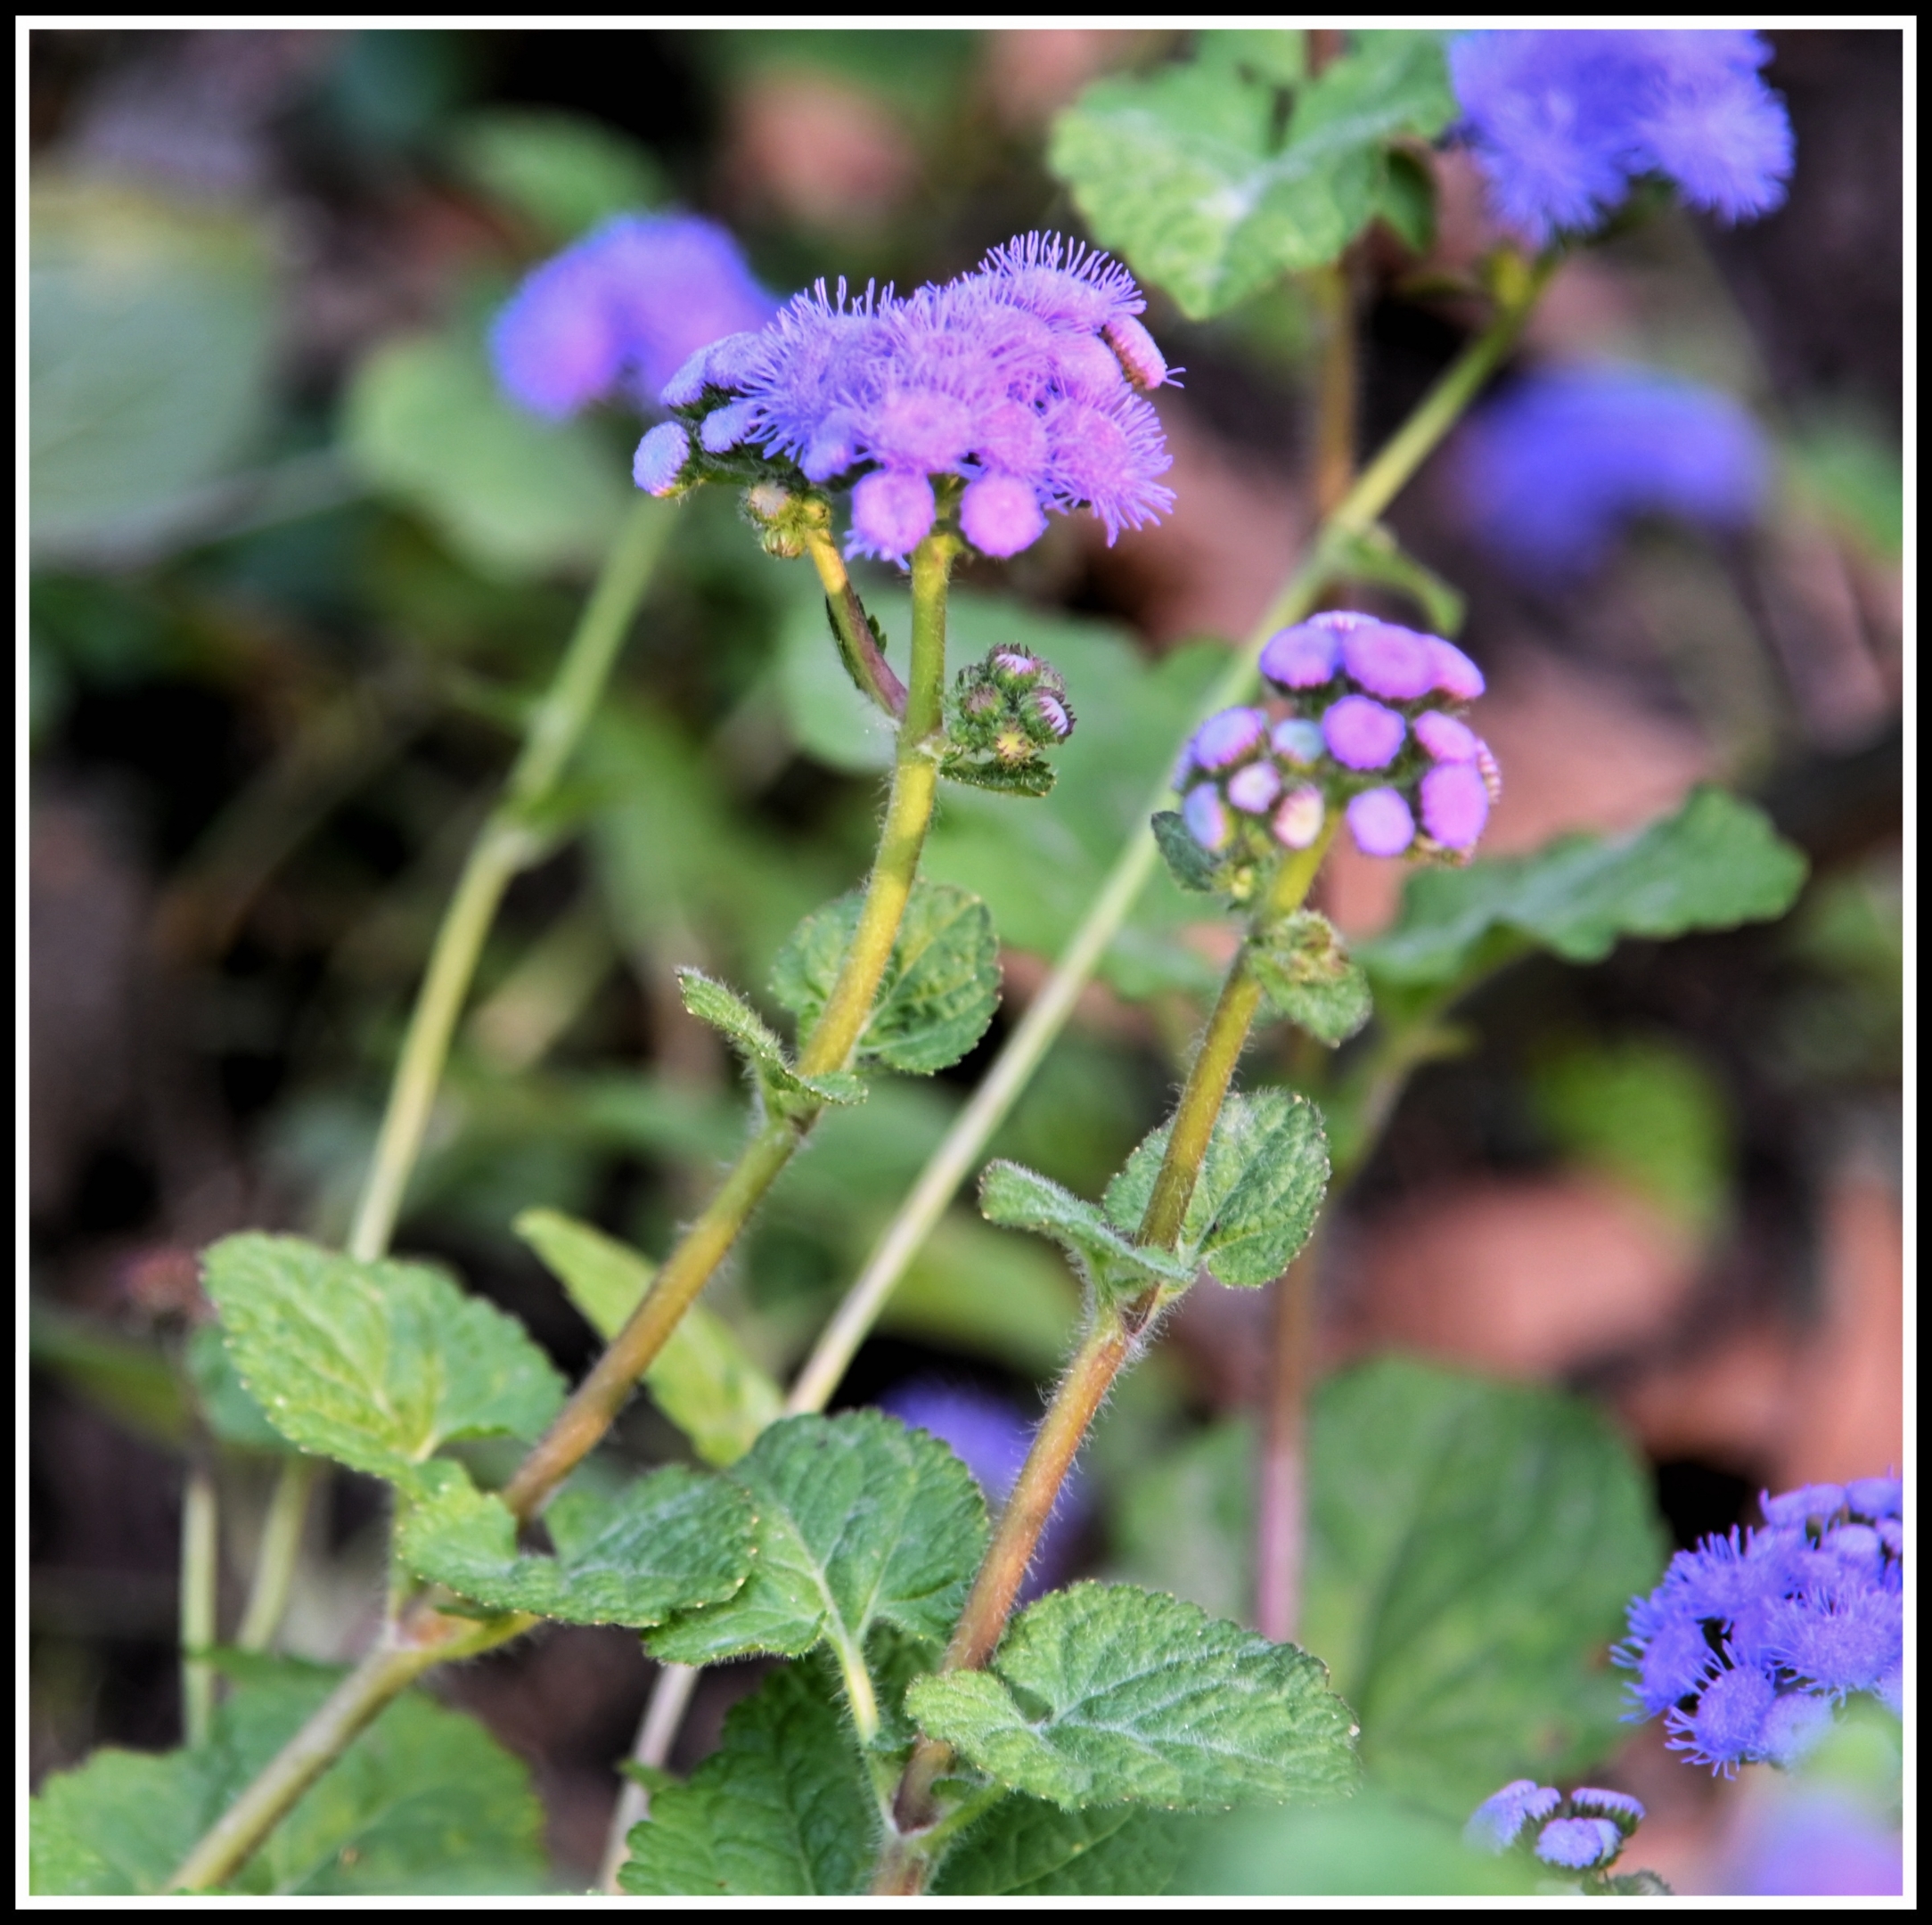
<point x="375" y="1364"/>
<point x="748" y="1033"/>
<point x="514" y="495"/>
<point x="562" y="172"/>
<point x="424" y="1801"/>
<point x="1471" y="1548"/>
<point x="1277" y="55"/>
<point x="1375" y="555"/>
<point x="1307" y="975"/>
<point x="127" y="1381"/>
<point x="860" y="1521"/>
<point x="702" y="1378"/>
<point x="229" y="1411"/>
<point x="1022" y="1198"/>
<point x="1180" y="171"/>
<point x="1191" y="867"/>
<point x="1025" y="1847"/>
<point x="1406" y="201"/>
<point x="666" y="1542"/>
<point x="940" y="987"/>
<point x="1260" y="1187"/>
<point x="149" y="359"/>
<point x="1105" y="1693"/>
<point x="1034" y="779"/>
<point x="1715" y="863"/>
<point x="780" y="1808"/>
<point x="1184" y="1521"/>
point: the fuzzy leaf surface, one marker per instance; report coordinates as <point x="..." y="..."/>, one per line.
<point x="1307" y="975"/>
<point x="748" y="1033"/>
<point x="780" y="1810"/>
<point x="1105" y="1693"/>
<point x="1715" y="863"/>
<point x="669" y="1541"/>
<point x="1192" y="867"/>
<point x="1022" y="1198"/>
<point x="1027" y="1847"/>
<point x="939" y="990"/>
<point x="1261" y="1184"/>
<point x="860" y="1521"/>
<point x="1035" y="779"/>
<point x="375" y="1364"/>
<point x="424" y="1801"/>
<point x="703" y="1380"/>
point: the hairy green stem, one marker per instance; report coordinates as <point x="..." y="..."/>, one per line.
<point x="962" y="1146"/>
<point x="201" y="1559"/>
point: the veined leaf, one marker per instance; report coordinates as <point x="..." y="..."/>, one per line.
<point x="860" y="1521"/>
<point x="1260" y="1186"/>
<point x="666" y="1542"/>
<point x="230" y="1413"/>
<point x="939" y="990"/>
<point x="1106" y="1693"/>
<point x="1117" y="1267"/>
<point x="751" y="1036"/>
<point x="781" y="1810"/>
<point x="1026" y="1847"/>
<point x="375" y="1364"/>
<point x="1307" y="975"/>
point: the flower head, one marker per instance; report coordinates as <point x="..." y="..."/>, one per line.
<point x="1498" y="1821"/>
<point x="1578" y="1843"/>
<point x="616" y="314"/>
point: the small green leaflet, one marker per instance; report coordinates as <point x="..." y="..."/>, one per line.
<point x="1261" y="1183"/>
<point x="860" y="1521"/>
<point x="1715" y="863"/>
<point x="781" y="1810"/>
<point x="1035" y="778"/>
<point x="1180" y="171"/>
<point x="1025" y="1847"/>
<point x="375" y="1364"/>
<point x="669" y="1541"/>
<point x="1307" y="975"/>
<point x="424" y="1801"/>
<point x="939" y="989"/>
<point x="702" y="1379"/>
<point x="1107" y="1693"/>
<point x="764" y="1055"/>
<point x="1191" y="867"/>
<point x="1117" y="1267"/>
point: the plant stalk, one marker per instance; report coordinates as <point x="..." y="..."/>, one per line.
<point x="201" y="1556"/>
<point x="281" y="1545"/>
<point x="664" y="1712"/>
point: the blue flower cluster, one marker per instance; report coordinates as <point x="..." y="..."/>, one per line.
<point x="1552" y="470"/>
<point x="613" y="315"/>
<point x="1562" y="120"/>
<point x="1367" y="719"/>
<point x="1023" y="380"/>
<point x="1582" y="1832"/>
<point x="1752" y="1637"/>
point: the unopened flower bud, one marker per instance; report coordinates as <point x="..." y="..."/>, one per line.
<point x="1455" y="805"/>
<point x="1298" y="820"/>
<point x="725" y="427"/>
<point x="1379" y="821"/>
<point x="1444" y="738"/>
<point x="660" y="458"/>
<point x="1224" y="740"/>
<point x="1000" y="514"/>
<point x="1362" y="735"/>
<point x="1299" y="741"/>
<point x="1456" y="676"/>
<point x="1253" y="789"/>
<point x="1301" y="657"/>
<point x="1143" y="362"/>
<point x="1206" y="818"/>
<point x="1387" y="661"/>
<point x="1049" y="715"/>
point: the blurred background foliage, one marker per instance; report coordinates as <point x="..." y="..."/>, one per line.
<point x="298" y="570"/>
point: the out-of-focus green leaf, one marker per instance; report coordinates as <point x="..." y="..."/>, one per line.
<point x="514" y="495"/>
<point x="940" y="988"/>
<point x="424" y="1801"/>
<point x="998" y="1297"/>
<point x="1261" y="1182"/>
<point x="666" y="1542"/>
<point x="1277" y="55"/>
<point x="1307" y="975"/>
<point x="1375" y="555"/>
<point x="1191" y="867"/>
<point x="375" y="1364"/>
<point x="1026" y="1847"/>
<point x="148" y="358"/>
<point x="563" y="172"/>
<point x="701" y="1379"/>
<point x="1715" y="863"/>
<point x="779" y="1809"/>
<point x="1647" y="1111"/>
<point x="1107" y="1693"/>
<point x="1472" y="1547"/>
<point x="1184" y="1521"/>
<point x="1852" y="473"/>
<point x="129" y="1381"/>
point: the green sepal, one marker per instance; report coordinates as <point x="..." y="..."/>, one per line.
<point x="1104" y="1694"/>
<point x="1260" y="1186"/>
<point x="940" y="988"/>
<point x="712" y="1001"/>
<point x="1117" y="1268"/>
<point x="1307" y="976"/>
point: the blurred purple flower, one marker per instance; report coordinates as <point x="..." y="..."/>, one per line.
<point x="1497" y="1822"/>
<point x="1817" y="1844"/>
<point x="1552" y="471"/>
<point x="618" y="313"/>
<point x="1578" y="1843"/>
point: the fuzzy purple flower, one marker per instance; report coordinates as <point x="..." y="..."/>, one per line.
<point x="616" y="314"/>
<point x="1579" y="1844"/>
<point x="1563" y="121"/>
<point x="1362" y="735"/>
<point x="1496" y="1824"/>
<point x="1554" y="470"/>
<point x="1225" y="739"/>
<point x="1455" y="805"/>
<point x="1304" y="656"/>
<point x="1254" y="788"/>
<point x="1379" y="821"/>
<point x="1725" y="1728"/>
<point x="1820" y="1843"/>
<point x="660" y="458"/>
<point x="1387" y="660"/>
<point x="1206" y="817"/>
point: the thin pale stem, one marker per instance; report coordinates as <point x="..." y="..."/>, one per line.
<point x="1280" y="1500"/>
<point x="959" y="1150"/>
<point x="664" y="1712"/>
<point x="281" y="1545"/>
<point x="1334" y="289"/>
<point x="201" y="1553"/>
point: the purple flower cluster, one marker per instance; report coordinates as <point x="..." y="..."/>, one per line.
<point x="1752" y="1637"/>
<point x="1584" y="1833"/>
<point x="1023" y="380"/>
<point x="614" y="313"/>
<point x="1367" y="724"/>
<point x="1563" y="120"/>
<point x="1552" y="470"/>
